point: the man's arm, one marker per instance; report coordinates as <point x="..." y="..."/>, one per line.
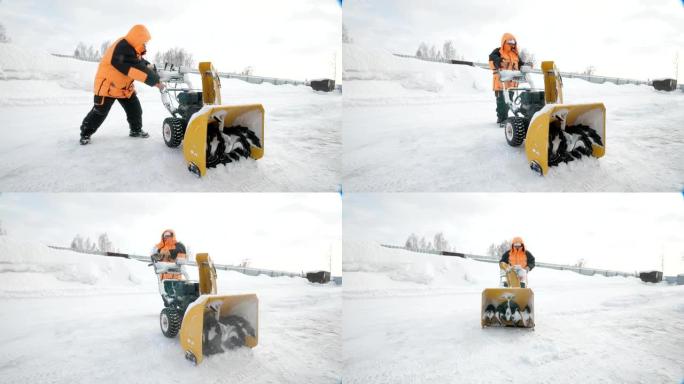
<point x="495" y="59"/>
<point x="178" y="252"/>
<point x="126" y="61"/>
<point x="505" y="258"/>
<point x="530" y="260"/>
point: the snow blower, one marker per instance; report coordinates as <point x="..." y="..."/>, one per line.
<point x="208" y="323"/>
<point x="211" y="133"/>
<point x="510" y="305"/>
<point x="553" y="132"/>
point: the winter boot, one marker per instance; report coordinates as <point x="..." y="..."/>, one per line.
<point x="139" y="133"/>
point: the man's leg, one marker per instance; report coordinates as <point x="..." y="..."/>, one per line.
<point x="95" y="117"/>
<point x="522" y="276"/>
<point x="501" y="107"/>
<point x="133" y="111"/>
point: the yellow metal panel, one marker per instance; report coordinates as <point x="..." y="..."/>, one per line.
<point x="211" y="84"/>
<point x="251" y="116"/>
<point x="502" y="300"/>
<point x="553" y="84"/>
<point x="537" y="139"/>
<point x="195" y="142"/>
<point x="191" y="328"/>
<point x="207" y="274"/>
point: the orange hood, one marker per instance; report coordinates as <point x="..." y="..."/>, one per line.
<point x="138" y="36"/>
<point x="505" y="48"/>
<point x="517" y="239"/>
<point x="169" y="243"/>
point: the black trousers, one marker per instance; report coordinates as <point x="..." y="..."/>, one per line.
<point x="501" y="106"/>
<point x="100" y="110"/>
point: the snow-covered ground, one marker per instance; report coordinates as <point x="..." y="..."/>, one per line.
<point x="411" y="318"/>
<point x="72" y="318"/>
<point x="43" y="100"/>
<point x="410" y="125"/>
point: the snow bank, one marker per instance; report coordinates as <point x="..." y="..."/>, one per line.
<point x="20" y="63"/>
<point x="383" y="267"/>
<point x="35" y="269"/>
<point x="362" y="63"/>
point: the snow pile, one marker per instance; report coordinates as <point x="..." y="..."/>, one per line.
<point x="74" y="317"/>
<point x="367" y="64"/>
<point x="403" y="266"/>
<point x="412" y="125"/>
<point x="34" y="269"/>
<point x="44" y="99"/>
<point x="406" y="332"/>
<point x="20" y="63"/>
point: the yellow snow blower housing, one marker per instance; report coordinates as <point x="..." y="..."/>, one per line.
<point x="215" y="323"/>
<point x="211" y="133"/>
<point x="511" y="305"/>
<point x="553" y="132"/>
<point x="563" y="132"/>
<point x="204" y="143"/>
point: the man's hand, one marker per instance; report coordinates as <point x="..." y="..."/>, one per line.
<point x="161" y="86"/>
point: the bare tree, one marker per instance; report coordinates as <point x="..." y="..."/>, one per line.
<point x="81" y="51"/>
<point x="103" y="243"/>
<point x="449" y="50"/>
<point x="3" y="35"/>
<point x="528" y="57"/>
<point x="104" y="46"/>
<point x="422" y="244"/>
<point x="434" y="53"/>
<point x="498" y="249"/>
<point x="346" y="38"/>
<point x="77" y="243"/>
<point x="176" y="56"/>
<point x="590" y="70"/>
<point x="412" y="242"/>
<point x="423" y="50"/>
<point x="440" y="243"/>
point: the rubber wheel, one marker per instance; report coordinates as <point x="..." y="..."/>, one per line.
<point x="515" y="129"/>
<point x="173" y="131"/>
<point x="170" y="321"/>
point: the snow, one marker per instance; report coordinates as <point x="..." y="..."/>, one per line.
<point x="410" y="125"/>
<point x="68" y="317"/>
<point x="412" y="317"/>
<point x="43" y="100"/>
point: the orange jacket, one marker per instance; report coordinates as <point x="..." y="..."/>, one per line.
<point x="504" y="57"/>
<point x="176" y="251"/>
<point x="520" y="257"/>
<point x="122" y="63"/>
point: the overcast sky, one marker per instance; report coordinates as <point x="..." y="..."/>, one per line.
<point x="624" y="38"/>
<point x="625" y="231"/>
<point x="278" y="231"/>
<point x="291" y="39"/>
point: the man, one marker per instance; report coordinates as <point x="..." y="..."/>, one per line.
<point x="519" y="259"/>
<point x="504" y="57"/>
<point x="121" y="64"/>
<point x="169" y="250"/>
